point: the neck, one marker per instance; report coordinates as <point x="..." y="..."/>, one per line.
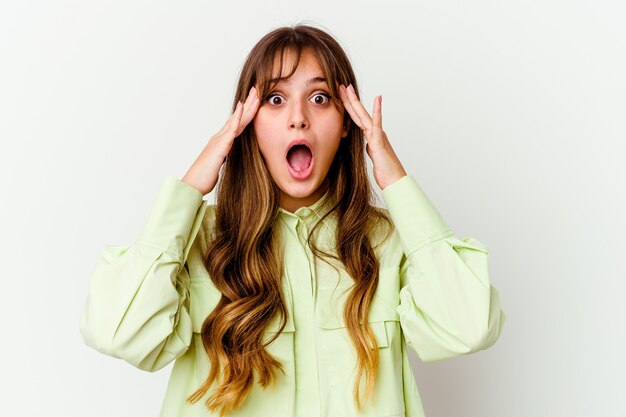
<point x="292" y="204"/>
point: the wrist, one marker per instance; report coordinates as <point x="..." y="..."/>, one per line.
<point x="187" y="179"/>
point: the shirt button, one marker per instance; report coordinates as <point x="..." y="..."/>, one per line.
<point x="306" y="212"/>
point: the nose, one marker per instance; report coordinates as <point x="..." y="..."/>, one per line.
<point x="297" y="118"/>
<point x="300" y="123"/>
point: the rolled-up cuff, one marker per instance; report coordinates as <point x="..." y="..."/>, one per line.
<point x="177" y="211"/>
<point x="416" y="219"/>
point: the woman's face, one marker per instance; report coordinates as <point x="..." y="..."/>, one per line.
<point x="299" y="108"/>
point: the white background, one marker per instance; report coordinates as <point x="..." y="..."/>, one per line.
<point x="511" y="115"/>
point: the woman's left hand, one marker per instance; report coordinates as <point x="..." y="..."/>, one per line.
<point x="386" y="165"/>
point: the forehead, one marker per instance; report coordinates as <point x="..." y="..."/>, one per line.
<point x="307" y="63"/>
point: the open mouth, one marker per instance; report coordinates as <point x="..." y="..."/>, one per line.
<point x="300" y="160"/>
<point x="299" y="157"/>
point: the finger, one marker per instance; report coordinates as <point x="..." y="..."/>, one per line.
<point x="343" y="94"/>
<point x="233" y="123"/>
<point x="250" y="106"/>
<point x="377" y="120"/>
<point x="248" y="116"/>
<point x="251" y="96"/>
<point x="226" y="125"/>
<point x="363" y="115"/>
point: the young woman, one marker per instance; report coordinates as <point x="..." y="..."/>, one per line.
<point x="293" y="295"/>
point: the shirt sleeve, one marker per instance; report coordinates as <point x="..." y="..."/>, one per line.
<point x="448" y="307"/>
<point x="137" y="308"/>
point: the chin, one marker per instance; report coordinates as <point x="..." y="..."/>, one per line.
<point x="300" y="190"/>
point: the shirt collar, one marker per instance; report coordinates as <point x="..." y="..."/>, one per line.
<point x="311" y="213"/>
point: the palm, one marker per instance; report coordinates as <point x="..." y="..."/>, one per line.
<point x="386" y="165"/>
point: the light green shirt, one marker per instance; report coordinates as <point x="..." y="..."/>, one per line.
<point x="148" y="300"/>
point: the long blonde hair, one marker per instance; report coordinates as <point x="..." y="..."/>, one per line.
<point x="244" y="259"/>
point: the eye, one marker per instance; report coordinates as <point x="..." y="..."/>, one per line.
<point x="270" y="98"/>
<point x="327" y="96"/>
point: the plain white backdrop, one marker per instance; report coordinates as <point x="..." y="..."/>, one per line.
<point x="511" y="115"/>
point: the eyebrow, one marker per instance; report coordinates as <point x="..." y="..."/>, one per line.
<point x="314" y="80"/>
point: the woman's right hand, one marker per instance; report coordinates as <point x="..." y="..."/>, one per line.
<point x="204" y="172"/>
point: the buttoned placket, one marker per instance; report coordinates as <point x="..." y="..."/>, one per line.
<point x="300" y="223"/>
<point x="302" y="230"/>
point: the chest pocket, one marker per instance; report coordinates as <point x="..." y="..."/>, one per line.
<point x="278" y="400"/>
<point x="332" y="300"/>
<point x="203" y="298"/>
<point x="339" y="355"/>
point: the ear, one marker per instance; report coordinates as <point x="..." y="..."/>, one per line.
<point x="346" y="126"/>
